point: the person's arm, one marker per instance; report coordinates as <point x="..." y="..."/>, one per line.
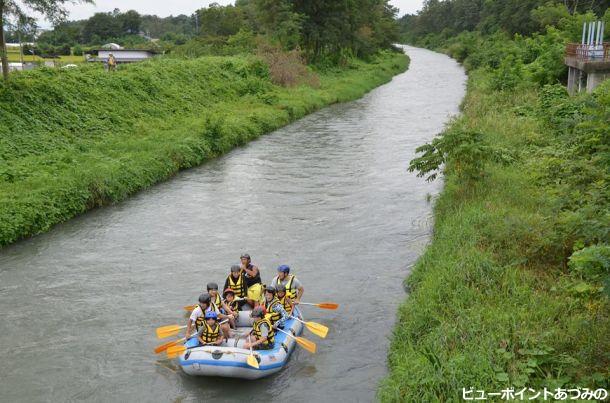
<point x="264" y="334"/>
<point x="280" y="322"/>
<point x="227" y="309"/>
<point x="191" y="321"/>
<point x="251" y="272"/>
<point x="300" y="291"/>
<point x="220" y="338"/>
<point x="226" y="283"/>
<point x="189" y="328"/>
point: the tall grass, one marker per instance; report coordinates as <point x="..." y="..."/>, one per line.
<point x="493" y="303"/>
<point x="71" y="140"/>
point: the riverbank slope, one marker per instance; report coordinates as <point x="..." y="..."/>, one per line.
<point x="72" y="140"/>
<point x="512" y="292"/>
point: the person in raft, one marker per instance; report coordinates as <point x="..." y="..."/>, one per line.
<point x="210" y="332"/>
<point x="286" y="302"/>
<point x="262" y="335"/>
<point x="232" y="303"/>
<point x="224" y="312"/>
<point x="237" y="282"/>
<point x="275" y="310"/>
<point x="254" y="283"/>
<point x="253" y="275"/>
<point x="197" y="318"/>
<point x="292" y="285"/>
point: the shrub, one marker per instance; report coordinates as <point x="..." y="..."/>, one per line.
<point x="464" y="150"/>
<point x="287" y="68"/>
<point x="508" y="75"/>
<point x="591" y="262"/>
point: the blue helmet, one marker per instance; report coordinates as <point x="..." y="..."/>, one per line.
<point x="211" y="315"/>
<point x="284" y="268"/>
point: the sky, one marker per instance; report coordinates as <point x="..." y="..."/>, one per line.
<point x="164" y="8"/>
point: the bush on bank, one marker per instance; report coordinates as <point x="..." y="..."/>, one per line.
<point x="72" y="140"/>
<point x="514" y="289"/>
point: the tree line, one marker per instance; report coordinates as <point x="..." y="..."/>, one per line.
<point x="451" y="17"/>
<point x="321" y="29"/>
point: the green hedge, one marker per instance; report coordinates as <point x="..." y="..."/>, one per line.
<point x="74" y="139"/>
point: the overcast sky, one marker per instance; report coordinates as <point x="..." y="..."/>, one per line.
<point x="163" y="8"/>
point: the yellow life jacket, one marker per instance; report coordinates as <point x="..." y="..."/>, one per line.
<point x="201" y="319"/>
<point x="238" y="286"/>
<point x="272" y="314"/>
<point x="217" y="301"/>
<point x="290" y="292"/>
<point x="234" y="305"/>
<point x="257" y="331"/>
<point x="286" y="303"/>
<point x="210" y="333"/>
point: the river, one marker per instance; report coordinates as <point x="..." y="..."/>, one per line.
<point x="330" y="195"/>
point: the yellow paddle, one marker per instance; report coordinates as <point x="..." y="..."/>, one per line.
<point x="169" y="330"/>
<point x="303" y="342"/>
<point x="175" y="351"/>
<point x="323" y="305"/>
<point x="315" y="328"/>
<point x="251" y="360"/>
<point x="165" y="346"/>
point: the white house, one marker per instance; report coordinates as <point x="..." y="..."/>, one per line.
<point x="123" y="55"/>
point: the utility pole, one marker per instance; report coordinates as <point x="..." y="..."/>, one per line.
<point x="20" y="45"/>
<point x="3" y="54"/>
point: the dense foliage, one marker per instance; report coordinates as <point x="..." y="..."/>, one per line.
<point x="514" y="290"/>
<point x="447" y="18"/>
<point x="326" y="31"/>
<point x="71" y="140"/>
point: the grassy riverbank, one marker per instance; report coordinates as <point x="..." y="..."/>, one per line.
<point x="81" y="138"/>
<point x="513" y="290"/>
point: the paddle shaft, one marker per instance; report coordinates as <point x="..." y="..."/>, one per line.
<point x="322" y="305"/>
<point x="286" y="333"/>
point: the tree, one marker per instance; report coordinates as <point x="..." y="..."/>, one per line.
<point x="102" y="26"/>
<point x="130" y="22"/>
<point x="53" y="10"/>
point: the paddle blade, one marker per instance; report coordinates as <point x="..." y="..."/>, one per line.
<point x="317" y="329"/>
<point x="167" y="345"/>
<point x="190" y="308"/>
<point x="327" y="305"/>
<point x="306" y="344"/>
<point x="252" y="361"/>
<point x="167" y="331"/>
<point x="175" y="351"/>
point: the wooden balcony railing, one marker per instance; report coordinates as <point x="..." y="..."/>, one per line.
<point x="579" y="51"/>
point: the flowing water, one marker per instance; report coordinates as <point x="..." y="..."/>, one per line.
<point x="329" y="195"/>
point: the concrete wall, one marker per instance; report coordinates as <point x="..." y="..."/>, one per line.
<point x="595" y="79"/>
